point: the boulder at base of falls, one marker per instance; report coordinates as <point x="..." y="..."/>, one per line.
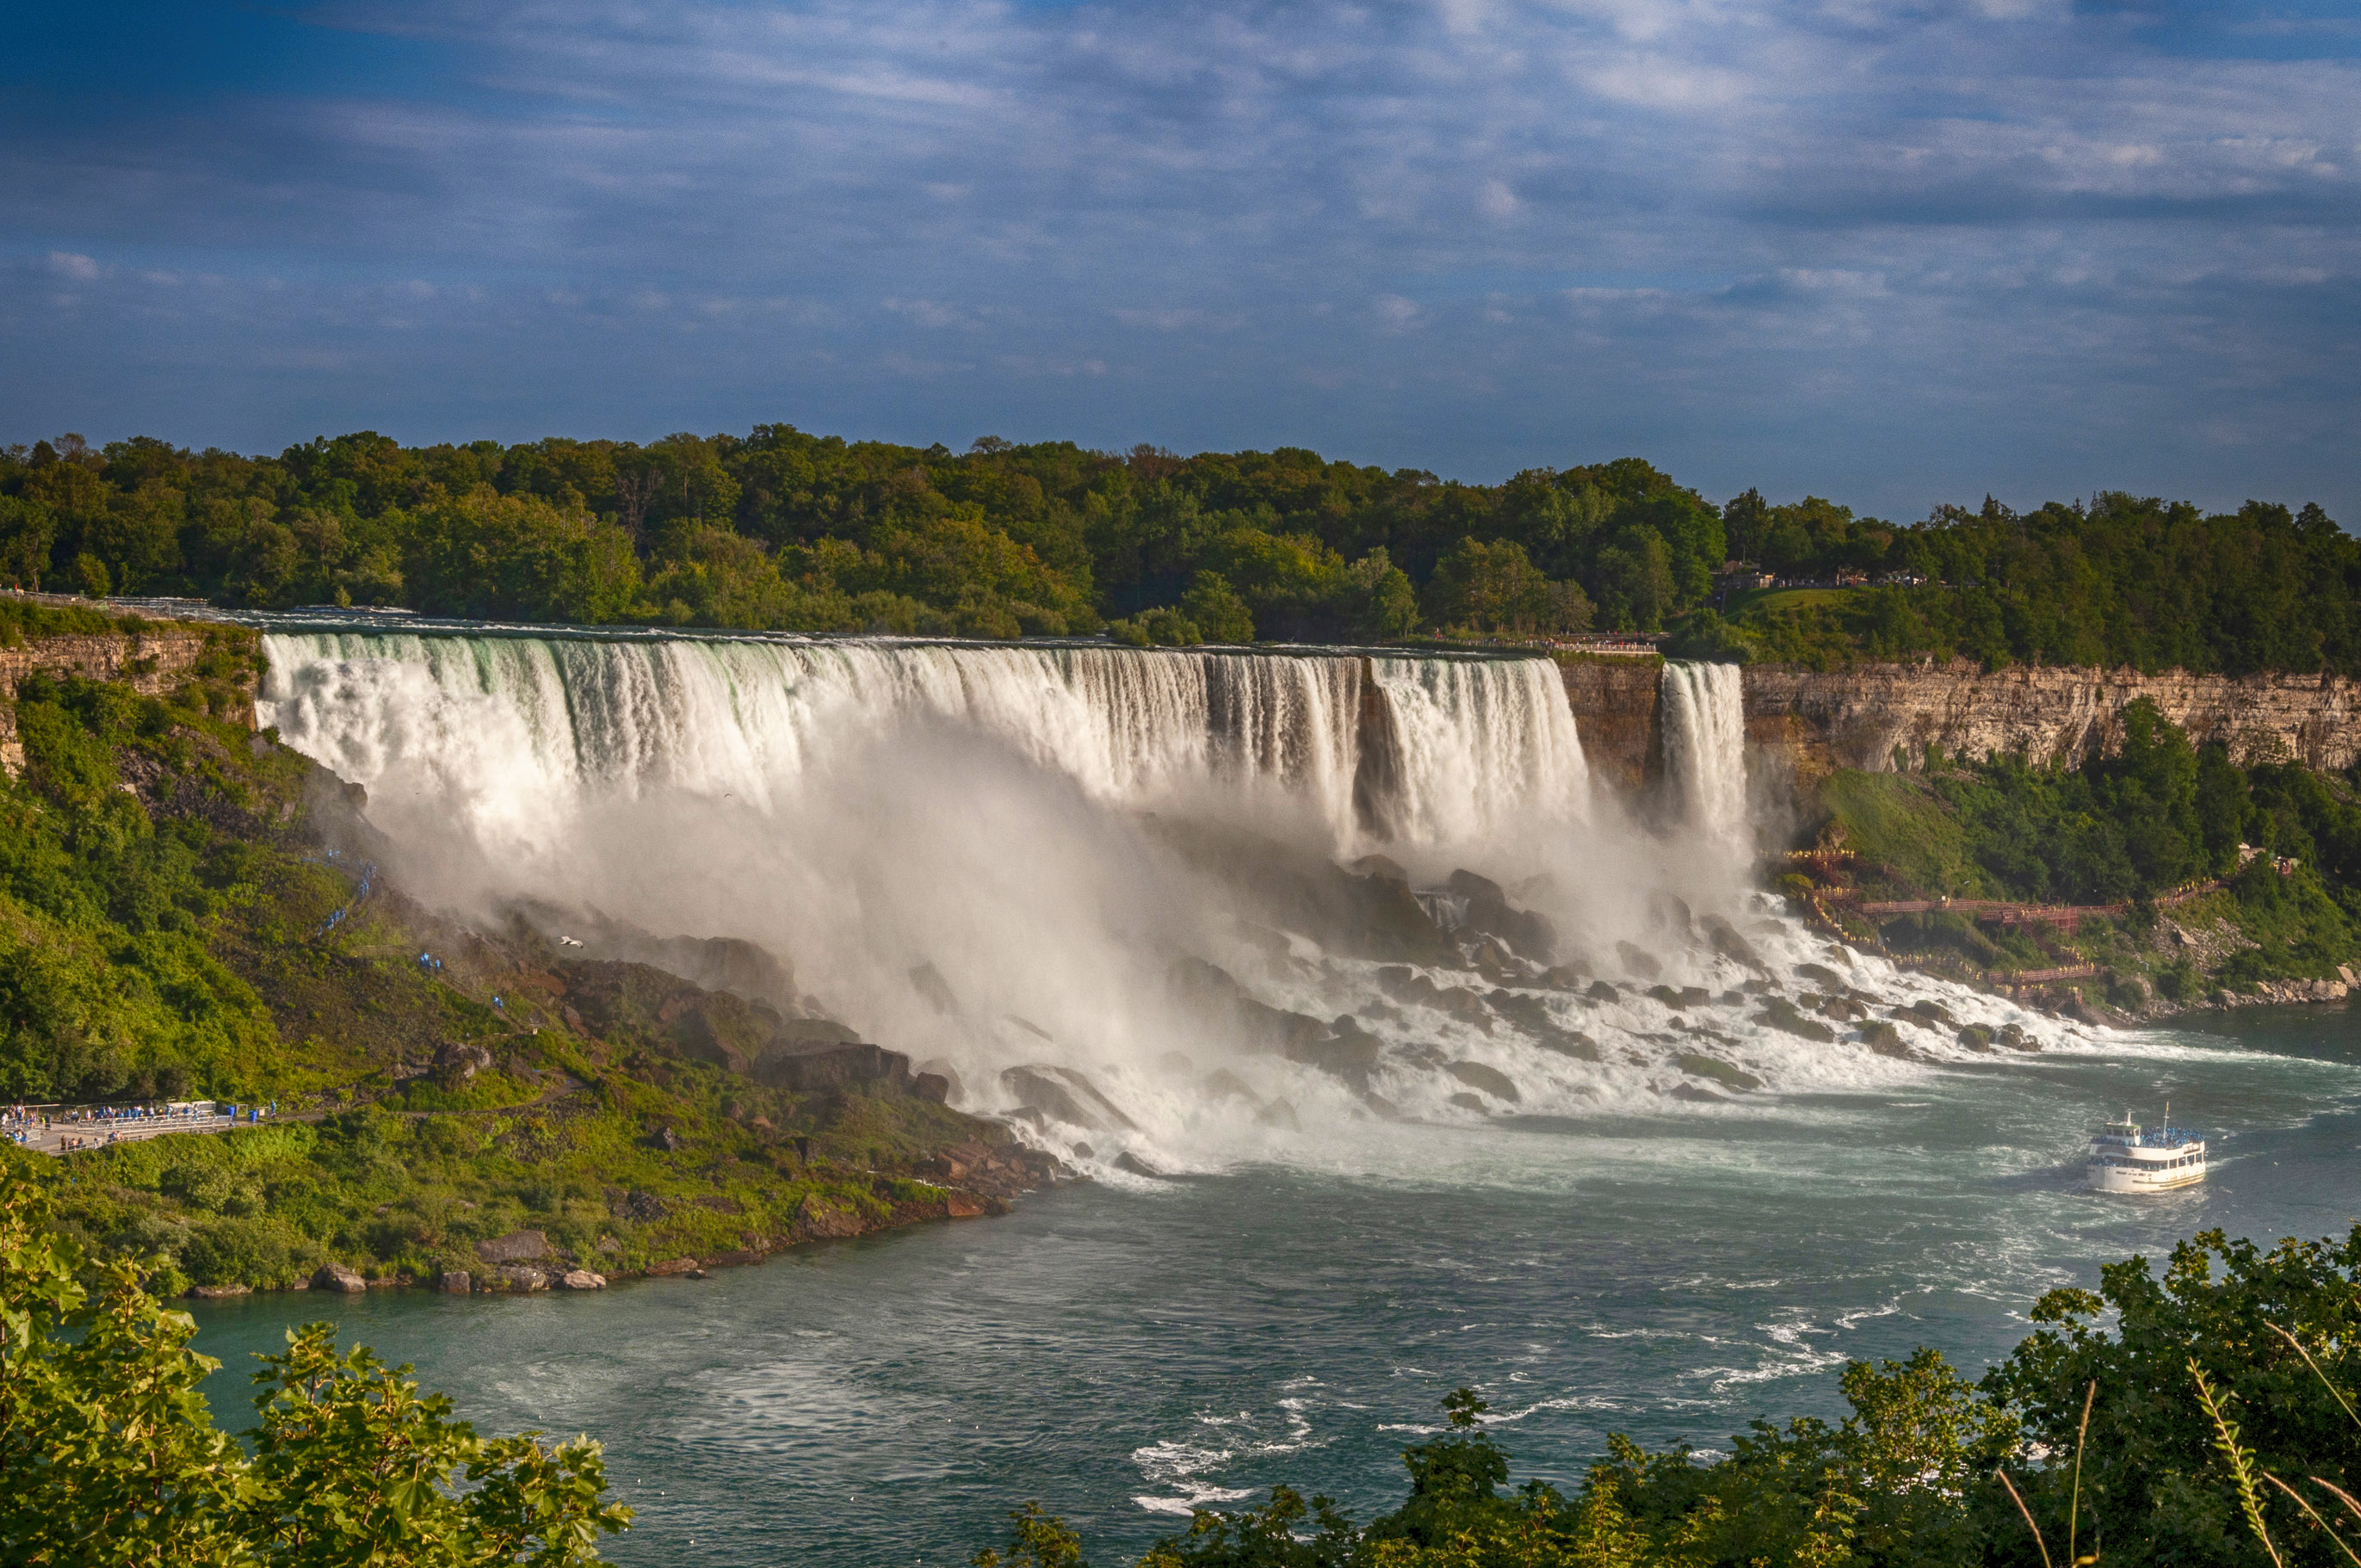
<point x="1603" y="991"/>
<point x="1886" y="1040"/>
<point x="1778" y="1013"/>
<point x="937" y="1067"/>
<point x="1927" y="1011"/>
<point x="1721" y="1072"/>
<point x="1528" y="934"/>
<point x="803" y="1065"/>
<point x="1468" y="1101"/>
<point x="582" y="1279"/>
<point x="1277" y="1114"/>
<point x="2013" y="1036"/>
<point x="1975" y="1036"/>
<point x="337" y="1277"/>
<point x="1568" y="1043"/>
<point x="1128" y="1161"/>
<point x="455" y="1282"/>
<point x="931" y="1086"/>
<point x="1702" y="1096"/>
<point x="1637" y="962"/>
<point x="1684" y="996"/>
<point x="1725" y="940"/>
<point x="1821" y="976"/>
<point x="1491" y="1080"/>
<point x="1223" y="1084"/>
<point x="1384" y="1109"/>
<point x="1350" y="1053"/>
<point x="1065" y="1095"/>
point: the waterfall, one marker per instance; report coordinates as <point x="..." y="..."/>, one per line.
<point x="1178" y="872"/>
<point x="1705" y="750"/>
<point x="516" y="733"/>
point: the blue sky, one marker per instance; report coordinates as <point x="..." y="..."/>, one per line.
<point x="1896" y="252"/>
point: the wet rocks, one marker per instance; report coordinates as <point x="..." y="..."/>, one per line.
<point x="455" y="1282"/>
<point x="995" y="1170"/>
<point x="1491" y="1080"/>
<point x="1886" y="1040"/>
<point x="1684" y="997"/>
<point x="582" y="1279"/>
<point x="1278" y="1113"/>
<point x="1637" y="962"/>
<point x="1603" y="991"/>
<point x="1488" y="909"/>
<point x="803" y="1065"/>
<point x="669" y="1266"/>
<point x="1778" y="1013"/>
<point x="216" y="1292"/>
<point x="337" y="1277"/>
<point x="1725" y="939"/>
<point x="1975" y="1036"/>
<point x="1716" y="1072"/>
<point x="1065" y="1095"/>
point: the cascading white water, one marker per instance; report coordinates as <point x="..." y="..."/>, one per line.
<point x="1705" y="750"/>
<point x="1047" y="829"/>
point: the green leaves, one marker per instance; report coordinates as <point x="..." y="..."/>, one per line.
<point x="112" y="1457"/>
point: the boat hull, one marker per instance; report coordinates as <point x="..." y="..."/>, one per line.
<point x="2145" y="1177"/>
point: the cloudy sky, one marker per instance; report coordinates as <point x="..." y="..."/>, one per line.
<point x="1896" y="252"/>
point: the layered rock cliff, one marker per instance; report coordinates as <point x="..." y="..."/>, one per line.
<point x="1883" y="716"/>
<point x="1619" y="711"/>
<point x="152" y="660"/>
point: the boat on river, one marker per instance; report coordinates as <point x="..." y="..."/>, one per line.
<point x="2127" y="1158"/>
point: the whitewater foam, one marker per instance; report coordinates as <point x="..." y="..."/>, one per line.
<point x="1045" y="830"/>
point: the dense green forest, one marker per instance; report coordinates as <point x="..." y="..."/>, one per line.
<point x="783" y="530"/>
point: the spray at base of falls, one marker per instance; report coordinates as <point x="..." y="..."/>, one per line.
<point x="1201" y="906"/>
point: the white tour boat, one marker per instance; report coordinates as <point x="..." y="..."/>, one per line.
<point x="2127" y="1159"/>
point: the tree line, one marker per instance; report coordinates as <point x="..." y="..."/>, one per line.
<point x="783" y="530"/>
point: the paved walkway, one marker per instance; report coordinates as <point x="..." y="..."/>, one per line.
<point x="65" y="1137"/>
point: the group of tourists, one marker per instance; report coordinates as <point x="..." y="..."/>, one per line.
<point x="91" y="1126"/>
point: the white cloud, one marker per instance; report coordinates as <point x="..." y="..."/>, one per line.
<point x="67" y="264"/>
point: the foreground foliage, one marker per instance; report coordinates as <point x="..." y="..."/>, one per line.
<point x="2197" y="1417"/>
<point x="111" y="1454"/>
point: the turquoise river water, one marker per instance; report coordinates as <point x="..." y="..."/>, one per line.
<point x="1118" y="1352"/>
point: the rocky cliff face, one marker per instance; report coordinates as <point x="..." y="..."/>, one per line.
<point x="1883" y="716"/>
<point x="152" y="662"/>
<point x="1617" y="708"/>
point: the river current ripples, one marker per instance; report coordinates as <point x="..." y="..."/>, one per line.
<point x="1121" y="1352"/>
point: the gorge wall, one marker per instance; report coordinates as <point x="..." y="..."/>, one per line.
<point x="152" y="661"/>
<point x="1617" y="705"/>
<point x="1883" y="717"/>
